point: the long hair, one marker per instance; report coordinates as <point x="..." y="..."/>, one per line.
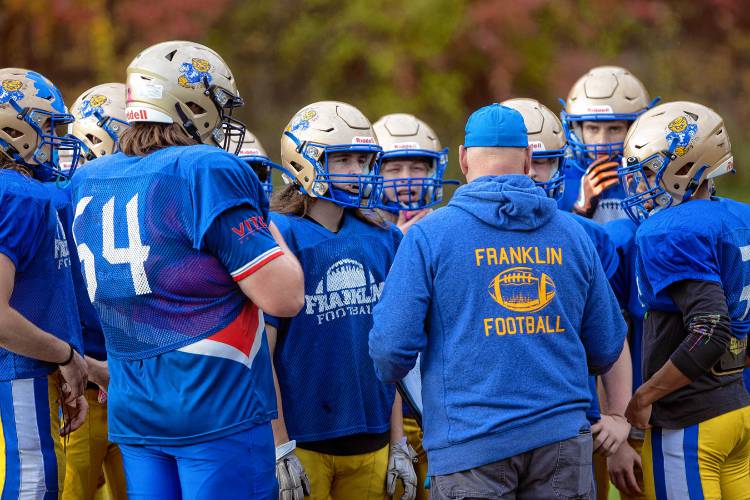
<point x="7" y="163"/>
<point x="289" y="201"/>
<point x="144" y="138"/>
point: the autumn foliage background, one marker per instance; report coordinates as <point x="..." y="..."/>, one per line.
<point x="438" y="59"/>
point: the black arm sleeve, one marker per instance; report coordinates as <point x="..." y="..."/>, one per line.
<point x="706" y="321"/>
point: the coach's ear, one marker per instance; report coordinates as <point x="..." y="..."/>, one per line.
<point x="462" y="160"/>
<point x="527" y="162"/>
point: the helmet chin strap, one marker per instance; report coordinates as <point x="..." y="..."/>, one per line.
<point x="693" y="185"/>
<point x="187" y="124"/>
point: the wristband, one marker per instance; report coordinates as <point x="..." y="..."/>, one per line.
<point x="70" y="357"/>
<point x="285" y="449"/>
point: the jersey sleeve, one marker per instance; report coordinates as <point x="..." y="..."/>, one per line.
<point x="22" y="221"/>
<point x="218" y="181"/>
<point x="675" y="254"/>
<point x="240" y="239"/>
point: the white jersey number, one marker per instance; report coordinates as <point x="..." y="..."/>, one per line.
<point x="135" y="254"/>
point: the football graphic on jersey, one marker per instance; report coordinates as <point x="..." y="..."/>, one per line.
<point x="522" y="289"/>
<point x="344" y="274"/>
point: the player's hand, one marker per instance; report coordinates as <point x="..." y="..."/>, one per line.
<point x="98" y="372"/>
<point x="638" y="414"/>
<point x="401" y="466"/>
<point x="293" y="481"/>
<point x="407" y="218"/>
<point x="621" y="467"/>
<point x="75" y="414"/>
<point x="75" y="376"/>
<point x="609" y="434"/>
<point x="601" y="175"/>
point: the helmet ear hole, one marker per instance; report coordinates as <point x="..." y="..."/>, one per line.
<point x="12" y="132"/>
<point x="94" y="139"/>
<point x="196" y="108"/>
<point x="297" y="167"/>
<point x="685" y="169"/>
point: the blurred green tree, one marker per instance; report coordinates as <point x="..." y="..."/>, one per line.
<point x="438" y="59"/>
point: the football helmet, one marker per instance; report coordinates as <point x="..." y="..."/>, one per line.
<point x="406" y="136"/>
<point x="188" y="84"/>
<point x="546" y="138"/>
<point x="253" y="153"/>
<point x="605" y="93"/>
<point x="669" y="152"/>
<point x="100" y="119"/>
<point x="33" y="124"/>
<point x="319" y="130"/>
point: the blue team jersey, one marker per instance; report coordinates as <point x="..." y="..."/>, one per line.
<point x="163" y="240"/>
<point x="607" y="253"/>
<point x="93" y="336"/>
<point x="32" y="237"/>
<point x="698" y="240"/>
<point x="622" y="232"/>
<point x="327" y="379"/>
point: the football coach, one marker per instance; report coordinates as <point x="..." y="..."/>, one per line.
<point x="505" y="298"/>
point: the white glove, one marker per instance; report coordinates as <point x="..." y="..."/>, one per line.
<point x="293" y="481"/>
<point x="401" y="466"/>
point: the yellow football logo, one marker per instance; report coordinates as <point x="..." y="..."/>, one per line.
<point x="201" y="65"/>
<point x="97" y="100"/>
<point x="679" y="124"/>
<point x="522" y="289"/>
<point x="12" y="85"/>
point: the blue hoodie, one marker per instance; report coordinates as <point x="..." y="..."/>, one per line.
<point x="504" y="296"/>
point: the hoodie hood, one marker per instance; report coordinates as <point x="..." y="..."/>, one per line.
<point x="511" y="202"/>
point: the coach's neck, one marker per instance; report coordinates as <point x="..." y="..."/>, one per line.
<point x="478" y="162"/>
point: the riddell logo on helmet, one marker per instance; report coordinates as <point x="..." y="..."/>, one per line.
<point x="363" y="140"/>
<point x="599" y="109"/>
<point x="537" y="146"/>
<point x="406" y="145"/>
<point x="137" y="114"/>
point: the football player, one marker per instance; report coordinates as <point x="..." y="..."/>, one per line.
<point x="99" y="121"/>
<point x="344" y="421"/>
<point x="624" y="466"/>
<point x="174" y="236"/>
<point x="600" y="107"/>
<point x="693" y="274"/>
<point x="40" y="330"/>
<point x="547" y="142"/>
<point x="254" y="154"/>
<point x="412" y="166"/>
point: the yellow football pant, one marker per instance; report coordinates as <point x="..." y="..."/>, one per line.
<point x="336" y="477"/>
<point x="708" y="460"/>
<point x="88" y="452"/>
<point x="414" y="436"/>
<point x="601" y="476"/>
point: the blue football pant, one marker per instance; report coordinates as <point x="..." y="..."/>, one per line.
<point x="239" y="466"/>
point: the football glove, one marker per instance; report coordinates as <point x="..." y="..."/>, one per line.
<point x="601" y="175"/>
<point x="293" y="481"/>
<point x="401" y="466"/>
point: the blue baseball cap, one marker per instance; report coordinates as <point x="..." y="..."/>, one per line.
<point x="496" y="126"/>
